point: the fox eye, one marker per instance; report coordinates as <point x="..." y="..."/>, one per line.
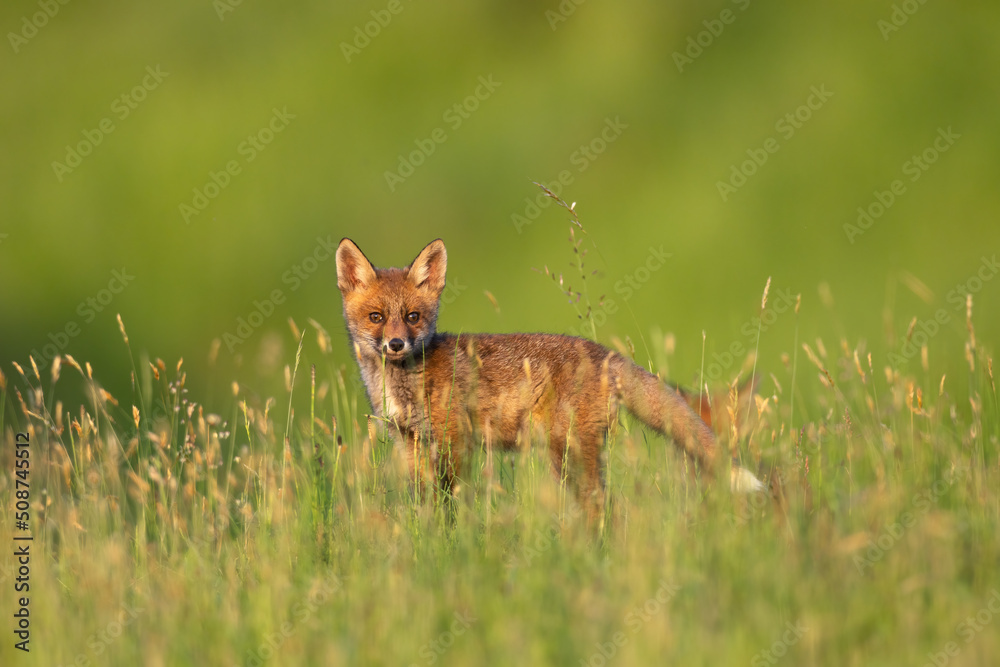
<point x="376" y="318"/>
<point x="413" y="317"/>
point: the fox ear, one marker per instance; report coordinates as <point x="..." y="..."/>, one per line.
<point x="353" y="268"/>
<point x="428" y="269"/>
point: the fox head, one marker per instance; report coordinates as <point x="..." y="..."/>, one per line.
<point x="391" y="313"/>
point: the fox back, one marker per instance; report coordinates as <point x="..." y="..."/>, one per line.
<point x="443" y="392"/>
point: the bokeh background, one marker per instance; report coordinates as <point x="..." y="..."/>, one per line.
<point x="352" y="105"/>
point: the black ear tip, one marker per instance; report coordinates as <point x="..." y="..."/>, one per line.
<point x="348" y="247"/>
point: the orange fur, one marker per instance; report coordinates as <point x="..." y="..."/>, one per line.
<point x="442" y="391"/>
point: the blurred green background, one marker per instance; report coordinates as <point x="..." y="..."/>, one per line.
<point x="353" y="105"/>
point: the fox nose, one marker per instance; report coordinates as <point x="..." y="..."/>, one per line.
<point x="396" y="344"/>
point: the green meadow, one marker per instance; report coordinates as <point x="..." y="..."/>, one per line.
<point x="183" y="428"/>
<point x="280" y="529"/>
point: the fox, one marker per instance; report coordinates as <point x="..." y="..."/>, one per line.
<point x="441" y="393"/>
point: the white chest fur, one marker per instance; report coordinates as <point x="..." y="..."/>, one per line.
<point x="392" y="392"/>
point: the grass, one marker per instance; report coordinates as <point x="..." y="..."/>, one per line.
<point x="279" y="530"/>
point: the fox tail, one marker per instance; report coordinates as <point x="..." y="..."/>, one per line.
<point x="663" y="409"/>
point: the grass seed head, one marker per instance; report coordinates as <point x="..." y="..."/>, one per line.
<point x="968" y="320"/>
<point x="213" y="351"/>
<point x="121" y="327"/>
<point x="106" y="395"/>
<point x="493" y="300"/>
<point x="826" y="295"/>
<point x="857" y="365"/>
<point x="322" y="337"/>
<point x="825" y="377"/>
<point x="917" y="286"/>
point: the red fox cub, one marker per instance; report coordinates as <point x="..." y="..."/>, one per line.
<point x="442" y="390"/>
